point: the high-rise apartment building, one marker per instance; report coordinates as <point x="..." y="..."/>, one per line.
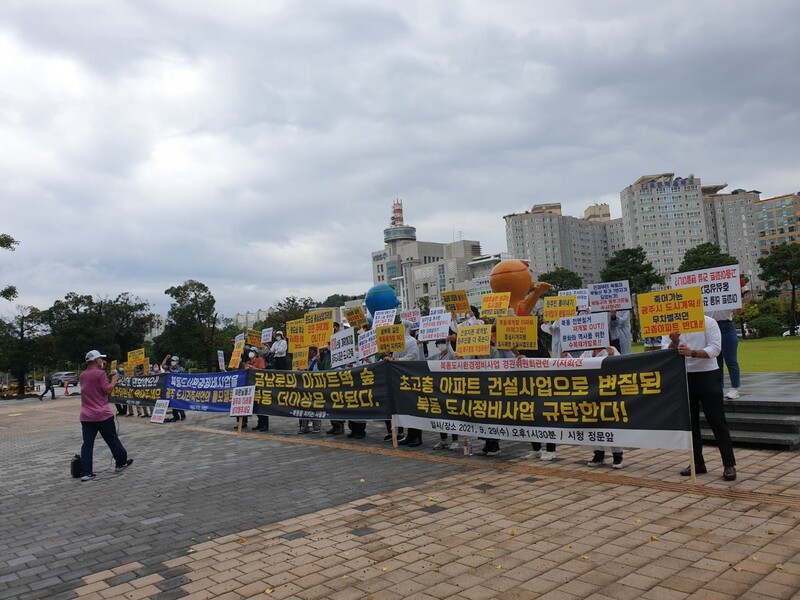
<point x="777" y="221"/>
<point x="549" y="240"/>
<point x="664" y="215"/>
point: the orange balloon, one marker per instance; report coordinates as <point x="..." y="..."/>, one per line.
<point x="511" y="276"/>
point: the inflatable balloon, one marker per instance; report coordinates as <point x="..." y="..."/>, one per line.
<point x="514" y="276"/>
<point x="381" y="297"/>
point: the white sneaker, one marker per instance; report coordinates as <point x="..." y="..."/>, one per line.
<point x="439" y="445"/>
<point x="455" y="445"/>
<point x="732" y="394"/>
<point x="533" y="454"/>
<point x="547" y="455"/>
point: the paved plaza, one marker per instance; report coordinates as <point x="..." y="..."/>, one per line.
<point x="205" y="512"/>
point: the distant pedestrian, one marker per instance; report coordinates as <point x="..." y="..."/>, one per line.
<point x="174" y="367"/>
<point x="96" y="416"/>
<point x="48" y="387"/>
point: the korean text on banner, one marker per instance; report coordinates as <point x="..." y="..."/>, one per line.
<point x="614" y="295"/>
<point x="242" y="401"/>
<point x="136" y="357"/>
<point x="681" y="310"/>
<point x="221" y="360"/>
<point x="343" y="347"/>
<point x="266" y="335"/>
<point x="300" y="361"/>
<point x="412" y="316"/>
<point x="584" y="332"/>
<point x="455" y="301"/>
<point x="296" y="335"/>
<point x="384" y="317"/>
<point x="367" y="343"/>
<point x="557" y="307"/>
<point x="495" y="305"/>
<point x="391" y="338"/>
<point x="355" y="317"/>
<point x="159" y="411"/>
<point x="434" y="327"/>
<point x="253" y="338"/>
<point x="582" y="296"/>
<point x="720" y="286"/>
<point x="474" y="340"/>
<point x="236" y="358"/>
<point x="319" y="327"/>
<point x="518" y="332"/>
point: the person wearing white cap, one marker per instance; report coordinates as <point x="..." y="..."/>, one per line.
<point x="96" y="417"/>
<point x="174" y="367"/>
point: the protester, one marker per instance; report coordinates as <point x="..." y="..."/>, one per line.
<point x="96" y="416"/>
<point x="730" y="348"/>
<point x="705" y="389"/>
<point x="599" y="457"/>
<point x="279" y="349"/>
<point x="174" y="367"/>
<point x="122" y="409"/>
<point x="256" y="361"/>
<point x="411" y="351"/>
<point x="311" y="425"/>
<point x="619" y="330"/>
<point x="48" y="387"/>
<point x="445" y="352"/>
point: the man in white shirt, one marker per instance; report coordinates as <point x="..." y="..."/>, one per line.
<point x="705" y="389"/>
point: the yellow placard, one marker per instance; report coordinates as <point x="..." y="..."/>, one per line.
<point x="296" y="335"/>
<point x="558" y="307"/>
<point x="391" y="338"/>
<point x="495" y="305"/>
<point x="239" y="345"/>
<point x="236" y="358"/>
<point x="355" y="316"/>
<point x="253" y="338"/>
<point x="113" y="366"/>
<point x="517" y="332"/>
<point x="680" y="310"/>
<point x="455" y="301"/>
<point x="136" y="357"/>
<point x="130" y="369"/>
<point x="319" y="327"/>
<point x="300" y="361"/>
<point x="474" y="340"/>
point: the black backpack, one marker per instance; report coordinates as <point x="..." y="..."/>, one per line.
<point x="75" y="466"/>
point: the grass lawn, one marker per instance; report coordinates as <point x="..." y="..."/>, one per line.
<point x="767" y="355"/>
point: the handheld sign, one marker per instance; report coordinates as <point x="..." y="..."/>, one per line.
<point x="343" y="347"/>
<point x="136" y="357"/>
<point x="412" y="316"/>
<point x="391" y="338"/>
<point x="159" y="411"/>
<point x="221" y="360"/>
<point x="300" y="361"/>
<point x="355" y="316"/>
<point x="367" y="343"/>
<point x="319" y="327"/>
<point x="582" y="296"/>
<point x="296" y="335"/>
<point x="384" y="317"/>
<point x="236" y="358"/>
<point x="611" y="295"/>
<point x="455" y="301"/>
<point x="557" y="307"/>
<point x="242" y="401"/>
<point x="495" y="305"/>
<point x="266" y="335"/>
<point x="253" y="338"/>
<point x="474" y="340"/>
<point x="438" y="310"/>
<point x="434" y="327"/>
<point x="238" y="341"/>
<point x="584" y="332"/>
<point x="518" y="332"/>
<point x="720" y="286"/>
<point x="681" y="310"/>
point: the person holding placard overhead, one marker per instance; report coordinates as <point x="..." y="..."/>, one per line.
<point x="705" y="389"/>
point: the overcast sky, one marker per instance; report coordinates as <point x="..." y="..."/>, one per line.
<point x="257" y="146"/>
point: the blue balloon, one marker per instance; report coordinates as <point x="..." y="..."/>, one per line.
<point x="381" y="297"/>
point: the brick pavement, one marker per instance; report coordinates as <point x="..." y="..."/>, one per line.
<point x="206" y="513"/>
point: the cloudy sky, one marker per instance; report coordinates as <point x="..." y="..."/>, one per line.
<point x="257" y="145"/>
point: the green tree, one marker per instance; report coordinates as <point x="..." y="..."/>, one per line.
<point x="336" y="300"/>
<point x="632" y="264"/>
<point x="21" y="341"/>
<point x="561" y="279"/>
<point x="288" y="309"/>
<point x="779" y="268"/>
<point x="424" y="305"/>
<point x="193" y="329"/>
<point x="7" y="243"/>
<point x="706" y="256"/>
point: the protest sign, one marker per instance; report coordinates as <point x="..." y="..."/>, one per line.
<point x="296" y="335"/>
<point x="319" y="327"/>
<point x="238" y="341"/>
<point x="159" y="411"/>
<point x="438" y="310"/>
<point x="412" y="315"/>
<point x="384" y="317"/>
<point x="581" y="295"/>
<point x="221" y="360"/>
<point x="391" y="338"/>
<point x="253" y="338"/>
<point x="242" y="401"/>
<point x="266" y="335"/>
<point x="614" y="295"/>
<point x="473" y="340"/>
<point x="343" y="347"/>
<point x="300" y="361"/>
<point x="236" y="358"/>
<point x="367" y="343"/>
<point x="517" y="332"/>
<point x="434" y="327"/>
<point x="455" y="301"/>
<point x="556" y="307"/>
<point x="681" y="310"/>
<point x="584" y="332"/>
<point x="720" y="286"/>
<point x="355" y="317"/>
<point x="495" y="305"/>
<point x="113" y="367"/>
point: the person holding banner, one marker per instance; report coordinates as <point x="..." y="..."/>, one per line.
<point x="445" y="352"/>
<point x="705" y="389"/>
<point x="313" y="365"/>
<point x="174" y="367"/>
<point x="413" y="437"/>
<point x="256" y="361"/>
<point x="730" y="346"/>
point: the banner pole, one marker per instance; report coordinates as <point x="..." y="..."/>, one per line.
<point x="394" y="434"/>
<point x="241" y="420"/>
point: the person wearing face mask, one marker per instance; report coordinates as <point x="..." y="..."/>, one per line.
<point x="256" y="361"/>
<point x="96" y="416"/>
<point x="173" y="367"/>
<point x="279" y="349"/>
